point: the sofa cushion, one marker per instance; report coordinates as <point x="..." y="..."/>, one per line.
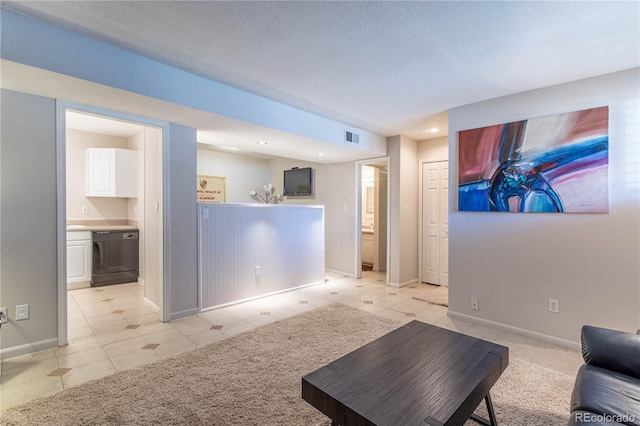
<point x="611" y="349"/>
<point x="605" y="392"/>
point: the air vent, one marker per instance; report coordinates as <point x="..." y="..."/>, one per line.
<point x="351" y="137"/>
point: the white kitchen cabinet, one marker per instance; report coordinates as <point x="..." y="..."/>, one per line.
<point x="78" y="259"/>
<point x="112" y="172"/>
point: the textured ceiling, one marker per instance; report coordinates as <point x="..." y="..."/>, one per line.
<point x="390" y="67"/>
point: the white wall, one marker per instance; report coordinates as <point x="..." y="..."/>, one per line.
<point x="340" y="211"/>
<point x="152" y="224"/>
<point x="242" y="173"/>
<point x="380" y="221"/>
<point x="278" y="165"/>
<point x="135" y="206"/>
<point x="367" y="181"/>
<point x="334" y="188"/>
<point x="434" y="149"/>
<point x="403" y="208"/>
<point x="28" y="240"/>
<point x="98" y="207"/>
<point x="514" y="263"/>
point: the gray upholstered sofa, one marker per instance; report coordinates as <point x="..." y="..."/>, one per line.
<point x="607" y="388"/>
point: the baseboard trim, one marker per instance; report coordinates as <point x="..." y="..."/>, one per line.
<point x="339" y="272"/>
<point x="404" y="284"/>
<point x="182" y="314"/>
<point x="504" y="327"/>
<point x="248" y="299"/>
<point x="152" y="305"/>
<point x="29" y="348"/>
<point x="78" y="285"/>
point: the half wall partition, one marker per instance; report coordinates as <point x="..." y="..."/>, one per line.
<point x="252" y="250"/>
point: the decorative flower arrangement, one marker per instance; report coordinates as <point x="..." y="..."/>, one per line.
<point x="268" y="198"/>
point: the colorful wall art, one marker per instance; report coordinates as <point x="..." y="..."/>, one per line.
<point x="558" y="163"/>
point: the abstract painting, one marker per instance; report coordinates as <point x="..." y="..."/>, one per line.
<point x="558" y="163"/>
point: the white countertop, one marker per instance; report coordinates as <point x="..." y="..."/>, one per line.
<point x="72" y="228"/>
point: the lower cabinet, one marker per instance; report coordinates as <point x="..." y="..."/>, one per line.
<point x="78" y="259"/>
<point x="367" y="248"/>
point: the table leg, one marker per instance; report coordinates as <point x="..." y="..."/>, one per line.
<point x="492" y="414"/>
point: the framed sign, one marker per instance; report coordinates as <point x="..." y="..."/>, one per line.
<point x="212" y="189"/>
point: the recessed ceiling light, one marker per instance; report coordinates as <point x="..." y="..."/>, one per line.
<point x="434" y="130"/>
<point x="320" y="154"/>
<point x="261" y="143"/>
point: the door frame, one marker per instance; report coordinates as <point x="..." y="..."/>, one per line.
<point x="61" y="206"/>
<point x="420" y="212"/>
<point x="358" y="222"/>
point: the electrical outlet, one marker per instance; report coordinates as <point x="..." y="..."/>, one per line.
<point x="22" y="312"/>
<point x="474" y="305"/>
<point x="554" y="305"/>
<point x="258" y="270"/>
<point x="3" y="315"/>
<point x="85" y="210"/>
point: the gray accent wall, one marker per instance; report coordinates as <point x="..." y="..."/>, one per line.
<point x="28" y="222"/>
<point x="70" y="54"/>
<point x="181" y="243"/>
<point x="514" y="263"/>
<point x="28" y="254"/>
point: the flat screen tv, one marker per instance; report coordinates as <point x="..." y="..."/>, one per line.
<point x="297" y="182"/>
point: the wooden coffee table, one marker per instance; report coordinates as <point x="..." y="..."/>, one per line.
<point x="419" y="374"/>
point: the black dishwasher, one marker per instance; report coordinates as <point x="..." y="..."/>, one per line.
<point x="115" y="257"/>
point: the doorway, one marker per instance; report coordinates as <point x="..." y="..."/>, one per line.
<point x="83" y="130"/>
<point x="373" y="218"/>
<point x="435" y="223"/>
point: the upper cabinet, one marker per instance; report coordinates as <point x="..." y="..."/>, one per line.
<point x="112" y="172"/>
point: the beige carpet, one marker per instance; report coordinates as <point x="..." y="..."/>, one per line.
<point x="254" y="379"/>
<point x="435" y="294"/>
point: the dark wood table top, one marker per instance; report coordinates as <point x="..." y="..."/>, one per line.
<point x="418" y="374"/>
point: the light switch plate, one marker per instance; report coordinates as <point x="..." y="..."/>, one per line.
<point x="22" y="312"/>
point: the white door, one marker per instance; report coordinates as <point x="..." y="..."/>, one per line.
<point x="444" y="223"/>
<point x="435" y="223"/>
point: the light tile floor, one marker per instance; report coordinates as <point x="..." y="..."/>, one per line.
<point x="110" y="329"/>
